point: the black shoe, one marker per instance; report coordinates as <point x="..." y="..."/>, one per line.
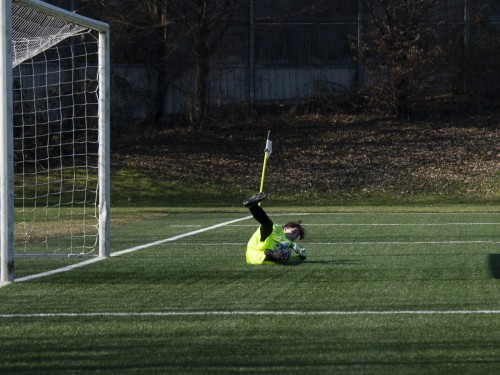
<point x="254" y="199"/>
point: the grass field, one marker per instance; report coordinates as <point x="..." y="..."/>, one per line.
<point x="383" y="291"/>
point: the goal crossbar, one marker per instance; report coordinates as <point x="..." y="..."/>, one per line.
<point x="21" y="39"/>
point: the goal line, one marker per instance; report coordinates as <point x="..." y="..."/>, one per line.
<point x="251" y="313"/>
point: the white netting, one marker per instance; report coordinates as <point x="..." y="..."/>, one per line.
<point x="34" y="32"/>
<point x="55" y="105"/>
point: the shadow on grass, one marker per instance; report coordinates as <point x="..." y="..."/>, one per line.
<point x="337" y="262"/>
<point x="494" y="264"/>
<point x="334" y="262"/>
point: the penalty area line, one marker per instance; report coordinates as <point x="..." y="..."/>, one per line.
<point x="250" y="313"/>
<point x="126" y="251"/>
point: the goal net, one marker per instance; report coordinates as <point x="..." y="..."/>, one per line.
<point x="59" y="133"/>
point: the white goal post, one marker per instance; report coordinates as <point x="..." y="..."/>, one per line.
<point x="54" y="134"/>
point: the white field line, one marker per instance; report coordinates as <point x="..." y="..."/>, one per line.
<point x="409" y="243"/>
<point x="401" y="224"/>
<point x="376" y="224"/>
<point x="389" y="213"/>
<point x="118" y="253"/>
<point x="348" y="243"/>
<point x="160" y="242"/>
<point x="250" y="313"/>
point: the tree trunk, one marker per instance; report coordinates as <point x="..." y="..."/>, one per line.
<point x="202" y="53"/>
<point x="201" y="105"/>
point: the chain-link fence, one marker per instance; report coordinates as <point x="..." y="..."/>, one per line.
<point x="294" y="51"/>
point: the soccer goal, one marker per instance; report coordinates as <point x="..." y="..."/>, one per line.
<point x="54" y="134"/>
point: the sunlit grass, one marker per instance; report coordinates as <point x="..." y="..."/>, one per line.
<point x="364" y="270"/>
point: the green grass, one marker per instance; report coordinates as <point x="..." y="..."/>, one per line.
<point x="362" y="263"/>
<point x="140" y="187"/>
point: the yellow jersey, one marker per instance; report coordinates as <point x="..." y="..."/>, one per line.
<point x="256" y="248"/>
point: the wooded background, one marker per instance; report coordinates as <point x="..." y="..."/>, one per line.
<point x="185" y="60"/>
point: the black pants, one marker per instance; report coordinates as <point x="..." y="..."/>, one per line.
<point x="266" y="228"/>
<point x="266" y="225"/>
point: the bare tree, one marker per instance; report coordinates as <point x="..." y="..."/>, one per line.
<point x="140" y="35"/>
<point x="159" y="11"/>
<point x="203" y="24"/>
<point x="401" y="51"/>
<point x="168" y="35"/>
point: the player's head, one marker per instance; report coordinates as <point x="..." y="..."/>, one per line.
<point x="294" y="230"/>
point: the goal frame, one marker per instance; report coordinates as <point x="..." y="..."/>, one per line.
<point x="6" y="129"/>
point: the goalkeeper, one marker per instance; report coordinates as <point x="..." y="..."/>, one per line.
<point x="271" y="243"/>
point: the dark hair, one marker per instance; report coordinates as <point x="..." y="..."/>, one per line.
<point x="298" y="225"/>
